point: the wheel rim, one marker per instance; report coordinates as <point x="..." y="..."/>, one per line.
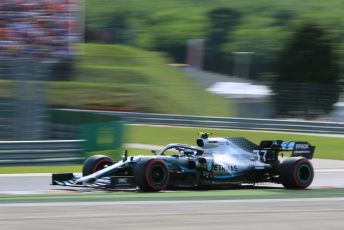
<point x="158" y="174"/>
<point x="304" y="173"/>
<point x="101" y="165"/>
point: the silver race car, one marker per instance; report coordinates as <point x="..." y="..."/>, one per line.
<point x="213" y="162"/>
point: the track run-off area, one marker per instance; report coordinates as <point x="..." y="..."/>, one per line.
<point x="328" y="174"/>
<point x="28" y="201"/>
<point x="293" y="213"/>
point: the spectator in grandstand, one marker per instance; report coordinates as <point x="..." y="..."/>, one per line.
<point x="39" y="28"/>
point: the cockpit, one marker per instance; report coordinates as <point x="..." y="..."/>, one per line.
<point x="181" y="150"/>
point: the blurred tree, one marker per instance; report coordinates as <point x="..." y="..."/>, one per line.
<point x="116" y="30"/>
<point x="284" y="17"/>
<point x="171" y="44"/>
<point x="308" y="71"/>
<point x="222" y="22"/>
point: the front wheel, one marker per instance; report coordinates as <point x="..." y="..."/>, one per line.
<point x="296" y="173"/>
<point x="151" y="175"/>
<point x="95" y="163"/>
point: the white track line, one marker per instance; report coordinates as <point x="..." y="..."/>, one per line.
<point x="103" y="203"/>
<point x="30" y="175"/>
<point x="26" y="175"/>
<point x="329" y="170"/>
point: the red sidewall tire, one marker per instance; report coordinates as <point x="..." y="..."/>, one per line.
<point x="95" y="163"/>
<point x="152" y="175"/>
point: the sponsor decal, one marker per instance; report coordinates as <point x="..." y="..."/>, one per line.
<point x="302" y="149"/>
<point x="122" y="181"/>
<point x="302" y="152"/>
<point x="301" y="146"/>
<point x="222" y="168"/>
<point x="209" y="166"/>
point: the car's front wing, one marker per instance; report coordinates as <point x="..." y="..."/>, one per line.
<point x="113" y="182"/>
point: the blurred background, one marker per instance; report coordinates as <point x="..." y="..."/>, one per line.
<point x="86" y="77"/>
<point x="252" y="59"/>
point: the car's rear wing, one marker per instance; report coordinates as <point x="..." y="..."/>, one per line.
<point x="298" y="148"/>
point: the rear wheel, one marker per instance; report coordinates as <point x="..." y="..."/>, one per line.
<point x="95" y="163"/>
<point x="296" y="173"/>
<point x="151" y="175"/>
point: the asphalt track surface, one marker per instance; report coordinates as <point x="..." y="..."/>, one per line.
<point x="316" y="213"/>
<point x="288" y="213"/>
<point x="328" y="174"/>
<point x="40" y="183"/>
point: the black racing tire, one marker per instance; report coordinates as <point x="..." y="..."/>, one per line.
<point x="151" y="175"/>
<point x="95" y="163"/>
<point x="296" y="173"/>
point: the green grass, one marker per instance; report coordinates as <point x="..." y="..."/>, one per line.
<point x="233" y="194"/>
<point x="121" y="76"/>
<point x="125" y="78"/>
<point x="40" y="169"/>
<point x="326" y="147"/>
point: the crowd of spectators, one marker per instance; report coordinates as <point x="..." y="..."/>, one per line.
<point x="39" y="28"/>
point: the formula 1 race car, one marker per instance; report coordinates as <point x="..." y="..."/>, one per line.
<point x="213" y="162"/>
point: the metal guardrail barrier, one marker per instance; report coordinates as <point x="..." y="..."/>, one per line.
<point x="48" y="152"/>
<point x="228" y="123"/>
<point x="72" y="137"/>
<point x="59" y="152"/>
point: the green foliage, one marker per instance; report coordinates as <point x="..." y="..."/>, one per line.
<point x="309" y="57"/>
<point x="121" y="77"/>
<point x="222" y="23"/>
<point x="310" y="64"/>
<point x="261" y="26"/>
